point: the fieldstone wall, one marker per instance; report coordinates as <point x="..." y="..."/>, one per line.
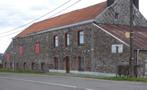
<point x="96" y="51"/>
<point x="118" y="13"/>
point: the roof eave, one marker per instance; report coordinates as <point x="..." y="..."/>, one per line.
<point x="62" y="27"/>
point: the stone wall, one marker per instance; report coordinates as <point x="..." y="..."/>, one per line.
<point x="119" y="13"/>
<point x="96" y="51"/>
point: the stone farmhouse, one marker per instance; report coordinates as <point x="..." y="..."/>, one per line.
<point x="91" y="39"/>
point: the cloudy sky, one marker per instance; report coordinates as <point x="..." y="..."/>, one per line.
<point x="15" y="13"/>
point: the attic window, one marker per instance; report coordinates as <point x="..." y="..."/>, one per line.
<point x="116" y="16"/>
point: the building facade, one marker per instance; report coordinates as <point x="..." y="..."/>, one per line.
<point x="89" y="39"/>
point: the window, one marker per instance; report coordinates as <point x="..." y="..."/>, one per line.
<point x="37" y="47"/>
<point x="116" y="16"/>
<point x="81" y="37"/>
<point x="7" y="56"/>
<point x="21" y="50"/>
<point x="56" y="41"/>
<point x="117" y="48"/>
<point x="67" y="39"/>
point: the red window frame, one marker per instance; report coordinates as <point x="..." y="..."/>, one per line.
<point x="8" y="56"/>
<point x="37" y="47"/>
<point x="21" y="50"/>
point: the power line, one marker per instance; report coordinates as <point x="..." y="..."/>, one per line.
<point x="37" y="18"/>
<point x="46" y="14"/>
<point x="67" y="7"/>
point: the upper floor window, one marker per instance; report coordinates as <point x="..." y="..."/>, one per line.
<point x="67" y="39"/>
<point x="56" y="41"/>
<point x="37" y="47"/>
<point x="81" y="37"/>
<point x="21" y="50"/>
<point x="7" y="57"/>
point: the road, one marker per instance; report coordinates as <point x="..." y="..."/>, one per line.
<point x="9" y="81"/>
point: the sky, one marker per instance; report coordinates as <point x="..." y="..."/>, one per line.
<point x="15" y="13"/>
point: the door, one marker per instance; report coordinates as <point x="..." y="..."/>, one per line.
<point x="24" y="66"/>
<point x="67" y="64"/>
<point x="55" y="63"/>
<point x="43" y="67"/>
<point x="80" y="64"/>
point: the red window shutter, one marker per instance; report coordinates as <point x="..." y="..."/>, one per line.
<point x="21" y="50"/>
<point x="37" y="48"/>
<point x="7" y="56"/>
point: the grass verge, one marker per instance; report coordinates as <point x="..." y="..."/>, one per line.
<point x="133" y="79"/>
<point x="20" y="71"/>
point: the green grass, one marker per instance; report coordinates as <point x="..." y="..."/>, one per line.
<point x="20" y="71"/>
<point x="133" y="79"/>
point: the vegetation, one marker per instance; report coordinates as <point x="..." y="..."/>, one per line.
<point x="19" y="71"/>
<point x="134" y="79"/>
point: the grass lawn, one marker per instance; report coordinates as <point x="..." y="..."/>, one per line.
<point x="133" y="79"/>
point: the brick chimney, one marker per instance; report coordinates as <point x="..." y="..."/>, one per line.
<point x="109" y="2"/>
<point x="136" y="3"/>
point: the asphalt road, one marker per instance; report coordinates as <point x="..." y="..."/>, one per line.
<point x="10" y="81"/>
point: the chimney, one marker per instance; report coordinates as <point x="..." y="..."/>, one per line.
<point x="136" y="3"/>
<point x="109" y="2"/>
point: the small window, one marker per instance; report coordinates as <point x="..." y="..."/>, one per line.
<point x="67" y="39"/>
<point x="56" y="41"/>
<point x="116" y="16"/>
<point x="81" y="37"/>
<point x="117" y="48"/>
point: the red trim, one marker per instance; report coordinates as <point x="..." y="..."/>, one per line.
<point x="37" y="47"/>
<point x="21" y="50"/>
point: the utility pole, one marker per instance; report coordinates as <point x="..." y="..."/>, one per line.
<point x="131" y="59"/>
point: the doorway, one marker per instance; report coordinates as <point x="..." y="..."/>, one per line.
<point x="33" y="66"/>
<point x="67" y="64"/>
<point x="43" y="67"/>
<point x="80" y="63"/>
<point x="55" y="63"/>
<point x="24" y="65"/>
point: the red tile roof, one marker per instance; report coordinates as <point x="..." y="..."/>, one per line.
<point x="66" y="19"/>
<point x="140" y="34"/>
